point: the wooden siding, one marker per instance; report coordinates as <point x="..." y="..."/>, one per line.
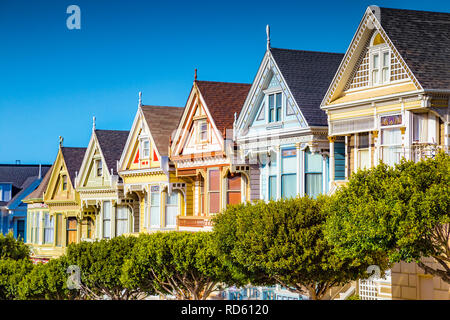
<point x="254" y="182"/>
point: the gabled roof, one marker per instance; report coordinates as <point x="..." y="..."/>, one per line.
<point x="38" y="193"/>
<point x="423" y="40"/>
<point x="25" y="188"/>
<point x="223" y="100"/>
<point x="162" y="121"/>
<point x="308" y="75"/>
<point x="73" y="157"/>
<point x="16" y="174"/>
<point x="111" y="144"/>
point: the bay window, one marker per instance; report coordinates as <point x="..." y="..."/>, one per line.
<point x="313" y="174"/>
<point x="171" y="209"/>
<point x="48" y="228"/>
<point x="214" y="190"/>
<point x="122" y="217"/>
<point x="363" y="158"/>
<point x="107" y="219"/>
<point x="155" y="207"/>
<point x="289" y="173"/>
<point x="391" y="143"/>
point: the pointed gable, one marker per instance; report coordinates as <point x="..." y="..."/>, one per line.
<point x="223" y="100"/>
<point x="111" y="143"/>
<point x="308" y="75"/>
<point x="38" y="193"/>
<point x="162" y="122"/>
<point x="73" y="157"/>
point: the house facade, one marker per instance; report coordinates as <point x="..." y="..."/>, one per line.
<point x="106" y="212"/>
<point x="202" y="149"/>
<point x="57" y="221"/>
<point x="148" y="177"/>
<point x="16" y="183"/>
<point x="389" y="99"/>
<point x="282" y="129"/>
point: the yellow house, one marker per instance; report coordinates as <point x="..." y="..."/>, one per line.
<point x="105" y="211"/>
<point x="147" y="173"/>
<point x="201" y="152"/>
<point x="61" y="202"/>
<point x="390" y="99"/>
<point x="40" y="227"/>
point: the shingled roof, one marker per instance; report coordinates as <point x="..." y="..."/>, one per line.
<point x="162" y="121"/>
<point x="423" y="40"/>
<point x="308" y="75"/>
<point x="38" y="193"/>
<point x="18" y="173"/>
<point x="73" y="157"/>
<point x="223" y="99"/>
<point x="112" y="143"/>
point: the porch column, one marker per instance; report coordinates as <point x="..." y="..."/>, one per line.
<point x="278" y="150"/>
<point x="332" y="139"/>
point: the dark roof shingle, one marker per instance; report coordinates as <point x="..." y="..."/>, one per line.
<point x="38" y="193"/>
<point x="18" y="173"/>
<point x="73" y="157"/>
<point x="308" y="75"/>
<point x="112" y="143"/>
<point x="423" y="40"/>
<point x="223" y="99"/>
<point x="162" y="121"/>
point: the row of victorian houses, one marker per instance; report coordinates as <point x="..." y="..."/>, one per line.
<point x="305" y="124"/>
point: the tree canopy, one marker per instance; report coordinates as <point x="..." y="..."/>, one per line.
<point x="389" y="214"/>
<point x="282" y="242"/>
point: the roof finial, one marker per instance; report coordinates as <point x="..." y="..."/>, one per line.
<point x="195" y="75"/>
<point x="268" y="36"/>
<point x="93" y="123"/>
<point x="140" y="98"/>
<point x="61" y="139"/>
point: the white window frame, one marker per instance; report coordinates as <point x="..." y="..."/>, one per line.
<point x="98" y="166"/>
<point x="379" y="50"/>
<point x="359" y="150"/>
<point x="145" y="151"/>
<point x="200" y="123"/>
<point x="274" y="91"/>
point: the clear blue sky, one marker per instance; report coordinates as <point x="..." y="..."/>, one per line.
<point x="53" y="80"/>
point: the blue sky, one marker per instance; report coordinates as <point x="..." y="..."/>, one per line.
<point x="53" y="80"/>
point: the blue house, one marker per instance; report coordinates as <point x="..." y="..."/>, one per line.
<point x="281" y="128"/>
<point x="16" y="182"/>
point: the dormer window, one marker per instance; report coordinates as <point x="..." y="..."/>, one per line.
<point x="275" y="107"/>
<point x="203" y="131"/>
<point x="64" y="182"/>
<point x="145" y="149"/>
<point x="99" y="167"/>
<point x="379" y="61"/>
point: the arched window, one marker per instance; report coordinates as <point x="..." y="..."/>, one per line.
<point x="234" y="188"/>
<point x="380" y="60"/>
<point x="172" y="209"/>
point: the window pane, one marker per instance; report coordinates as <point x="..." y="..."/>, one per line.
<point x="385" y="59"/>
<point x="375" y="61"/>
<point x="171" y="209"/>
<point x="289" y="161"/>
<point x="313" y="184"/>
<point x="288" y="186"/>
<point x="155" y="209"/>
<point x="214" y="202"/>
<point x="234" y="183"/>
<point x="278" y="106"/>
<point x="58" y="229"/>
<point x="391" y="137"/>
<point x="122" y="220"/>
<point x="271" y="108"/>
<point x="313" y="162"/>
<point x="272" y="188"/>
<point x="363" y="159"/>
<point x="214" y="180"/>
<point x="363" y="140"/>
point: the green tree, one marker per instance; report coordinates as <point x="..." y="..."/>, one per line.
<point x="101" y="264"/>
<point x="11" y="248"/>
<point x="181" y="264"/>
<point x="11" y="273"/>
<point x="47" y="281"/>
<point x="389" y="214"/>
<point x="281" y="242"/>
